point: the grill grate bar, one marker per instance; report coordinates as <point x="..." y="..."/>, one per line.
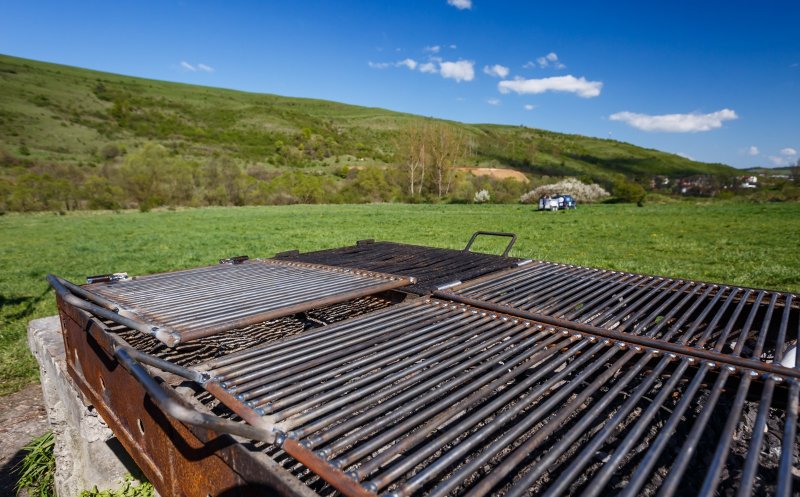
<point x="743" y="322"/>
<point x="196" y="303"/>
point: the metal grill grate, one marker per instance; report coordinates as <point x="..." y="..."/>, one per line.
<point x="434" y="398"/>
<point x="727" y="319"/>
<point x="185" y="305"/>
<point x="432" y="267"/>
<point x="228" y="342"/>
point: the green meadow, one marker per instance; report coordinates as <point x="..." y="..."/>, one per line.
<point x="744" y="244"/>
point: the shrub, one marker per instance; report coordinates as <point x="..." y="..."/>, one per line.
<point x="628" y="192"/>
<point x="580" y="191"/>
<point x="110" y="151"/>
<point x="481" y="197"/>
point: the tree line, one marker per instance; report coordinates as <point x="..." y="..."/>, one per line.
<point x="154" y="176"/>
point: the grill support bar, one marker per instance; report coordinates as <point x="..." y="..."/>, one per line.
<point x="652" y="343"/>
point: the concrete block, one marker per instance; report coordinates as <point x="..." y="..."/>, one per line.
<point x="87" y="453"/>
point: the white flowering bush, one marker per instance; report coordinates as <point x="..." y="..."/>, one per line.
<point x="481" y="197"/>
<point x="580" y="191"/>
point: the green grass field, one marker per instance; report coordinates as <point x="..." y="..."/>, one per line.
<point x="745" y="244"/>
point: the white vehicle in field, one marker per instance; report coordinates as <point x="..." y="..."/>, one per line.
<point x="548" y="203"/>
<point x="557" y="202"/>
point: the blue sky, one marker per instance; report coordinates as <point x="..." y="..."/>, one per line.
<point x="715" y="81"/>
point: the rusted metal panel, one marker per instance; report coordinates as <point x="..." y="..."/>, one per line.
<point x="177" y="460"/>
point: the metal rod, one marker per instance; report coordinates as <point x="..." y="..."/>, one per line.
<point x="601" y="478"/>
<point x="723" y="446"/>
<point x="548" y="460"/>
<point x="754" y="450"/>
<point x="687" y="451"/>
<point x="447" y="408"/>
<point x="653" y="343"/>
<point x="460" y="387"/>
<point x="384" y="478"/>
<point x="667" y="431"/>
<point x="554" y="422"/>
<point x="785" y="469"/>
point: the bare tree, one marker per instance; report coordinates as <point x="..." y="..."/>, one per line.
<point x="432" y="149"/>
<point x="414" y="147"/>
<point x="794" y="172"/>
<point x="448" y="147"/>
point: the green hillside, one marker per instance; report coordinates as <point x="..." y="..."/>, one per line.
<point x="79" y="123"/>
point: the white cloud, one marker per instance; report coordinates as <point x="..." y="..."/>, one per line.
<point x="188" y="67"/>
<point x="205" y="68"/>
<point x="570" y="84"/>
<point x="752" y="151"/>
<point x="788" y="151"/>
<point x="528" y="106"/>
<point x="460" y="4"/>
<point x="493" y="101"/>
<point x="453" y="47"/>
<point x="496" y="70"/>
<point x="676" y="123"/>
<point x="409" y="63"/>
<point x="779" y="161"/>
<point x="463" y="70"/>
<point x="685" y="156"/>
<point x="549" y="60"/>
<point x="432" y="49"/>
<point x="428" y="67"/>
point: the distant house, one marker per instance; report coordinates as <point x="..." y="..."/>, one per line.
<point x="701" y="185"/>
<point x="748" y="181"/>
<point x="658" y="182"/>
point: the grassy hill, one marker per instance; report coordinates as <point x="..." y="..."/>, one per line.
<point x="54" y="115"/>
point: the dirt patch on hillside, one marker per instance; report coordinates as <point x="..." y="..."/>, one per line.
<point x="496" y="173"/>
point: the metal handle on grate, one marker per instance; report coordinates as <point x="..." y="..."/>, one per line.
<point x="513" y="237"/>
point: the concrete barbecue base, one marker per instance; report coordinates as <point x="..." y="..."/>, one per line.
<point x="87" y="453"/>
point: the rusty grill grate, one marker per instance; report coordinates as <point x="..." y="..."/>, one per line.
<point x="436" y="398"/>
<point x="726" y="319"/>
<point x="186" y="305"/>
<point x="228" y="342"/>
<point x="543" y="379"/>
<point x="432" y="267"/>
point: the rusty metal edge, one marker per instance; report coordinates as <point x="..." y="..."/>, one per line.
<point x="243" y="458"/>
<point x="293" y="309"/>
<point x="335" y="477"/>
